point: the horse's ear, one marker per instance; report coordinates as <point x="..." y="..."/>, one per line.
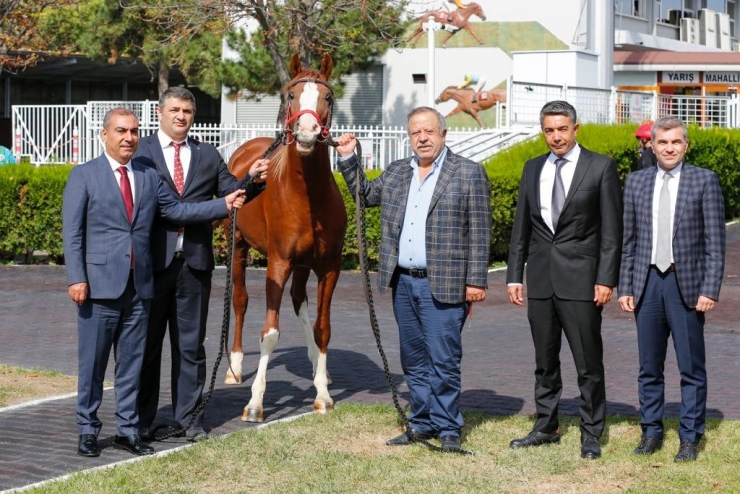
<point x="326" y="65"/>
<point x="295" y="65"/>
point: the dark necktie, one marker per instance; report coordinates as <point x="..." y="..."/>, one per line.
<point x="128" y="197"/>
<point x="558" y="192"/>
<point x="663" y="246"/>
<point x="179" y="176"/>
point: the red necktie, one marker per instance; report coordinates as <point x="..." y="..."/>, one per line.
<point x="128" y="198"/>
<point x="179" y="177"/>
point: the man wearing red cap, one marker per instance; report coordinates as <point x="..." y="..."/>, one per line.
<point x="647" y="156"/>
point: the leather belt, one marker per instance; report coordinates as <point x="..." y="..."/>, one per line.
<point x="179" y="255"/>
<point x="670" y="269"/>
<point x="413" y="272"/>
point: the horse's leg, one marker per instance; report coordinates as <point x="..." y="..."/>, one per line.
<point x="455" y="111"/>
<point x="240" y="300"/>
<point x="449" y="35"/>
<point x="278" y="272"/>
<point x="322" y="335"/>
<point x="300" y="306"/>
<point x="415" y="36"/>
<point x="470" y="30"/>
<point x="477" y="118"/>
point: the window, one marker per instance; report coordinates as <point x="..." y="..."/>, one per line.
<point x="630" y="7"/>
<point x="716" y="5"/>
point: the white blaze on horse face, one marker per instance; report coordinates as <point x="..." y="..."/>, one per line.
<point x="308" y="128"/>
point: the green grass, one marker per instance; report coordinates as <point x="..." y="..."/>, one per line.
<point x="344" y="451"/>
<point x="19" y="384"/>
<point x="509" y="36"/>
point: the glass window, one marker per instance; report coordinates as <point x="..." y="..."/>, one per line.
<point x="630" y="7"/>
<point x="670" y="11"/>
<point x="716" y="5"/>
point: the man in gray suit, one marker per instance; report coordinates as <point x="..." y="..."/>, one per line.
<point x="436" y="220"/>
<point x="673" y="259"/>
<point x="568" y="229"/>
<point x="183" y="261"/>
<point x="108" y="210"/>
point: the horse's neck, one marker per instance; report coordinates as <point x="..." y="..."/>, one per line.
<point x="459" y="95"/>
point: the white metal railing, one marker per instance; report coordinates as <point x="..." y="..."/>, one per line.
<point x="704" y="111"/>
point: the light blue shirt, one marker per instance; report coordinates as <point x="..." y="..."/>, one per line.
<point x="412" y="242"/>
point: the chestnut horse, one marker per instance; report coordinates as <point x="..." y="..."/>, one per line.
<point x="298" y="222"/>
<point x="453" y="22"/>
<point x="464" y="97"/>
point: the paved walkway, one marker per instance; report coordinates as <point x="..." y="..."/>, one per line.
<point x="38" y="329"/>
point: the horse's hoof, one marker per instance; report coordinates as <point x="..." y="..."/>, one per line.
<point x="254" y="415"/>
<point x="321" y="406"/>
<point x="232" y="379"/>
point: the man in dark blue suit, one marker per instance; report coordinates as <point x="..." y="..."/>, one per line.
<point x="109" y="207"/>
<point x="183" y="260"/>
<point x="673" y="259"/>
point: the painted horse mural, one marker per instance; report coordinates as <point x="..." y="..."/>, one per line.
<point x="452" y="22"/>
<point x="464" y="98"/>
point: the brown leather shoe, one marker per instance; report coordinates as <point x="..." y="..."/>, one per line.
<point x="132" y="444"/>
<point x="88" y="446"/>
<point x="535" y="438"/>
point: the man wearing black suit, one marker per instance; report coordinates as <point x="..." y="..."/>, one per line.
<point x="183" y="260"/>
<point x="568" y="229"/>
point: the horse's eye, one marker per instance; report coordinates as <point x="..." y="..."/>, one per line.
<point x="291" y="96"/>
<point x="328" y="97"/>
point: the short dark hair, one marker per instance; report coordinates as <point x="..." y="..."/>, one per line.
<point x="120" y="111"/>
<point x="558" y="108"/>
<point x="668" y="123"/>
<point x="176" y="92"/>
<point x="426" y="109"/>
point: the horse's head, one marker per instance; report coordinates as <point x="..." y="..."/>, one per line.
<point x="445" y="95"/>
<point x="477" y="10"/>
<point x="309" y="100"/>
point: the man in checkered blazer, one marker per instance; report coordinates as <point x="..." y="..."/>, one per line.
<point x="436" y="223"/>
<point x="671" y="284"/>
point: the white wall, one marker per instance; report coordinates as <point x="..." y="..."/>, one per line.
<point x="635" y="78"/>
<point x="571" y="68"/>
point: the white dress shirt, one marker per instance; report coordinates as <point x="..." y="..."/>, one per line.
<point x="547" y="180"/>
<point x="168" y="150"/>
<point x="115" y="165"/>
<point x="673" y="189"/>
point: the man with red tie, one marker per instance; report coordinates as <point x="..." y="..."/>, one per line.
<point x="183" y="260"/>
<point x="107" y="215"/>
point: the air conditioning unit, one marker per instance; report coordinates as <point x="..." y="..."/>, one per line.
<point x="735" y="46"/>
<point x="690" y="30"/>
<point x="708" y="28"/>
<point x="723" y="31"/>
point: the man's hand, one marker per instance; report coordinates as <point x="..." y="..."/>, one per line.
<point x="627" y="303"/>
<point x="236" y="199"/>
<point x="516" y="294"/>
<point x="78" y="293"/>
<point x="704" y="304"/>
<point x="474" y="293"/>
<point x="259" y="170"/>
<point x="346" y="144"/>
<point x="602" y="294"/>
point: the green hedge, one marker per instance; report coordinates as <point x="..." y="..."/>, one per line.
<point x="31" y="198"/>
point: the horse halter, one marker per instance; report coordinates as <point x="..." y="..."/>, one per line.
<point x="289" y="117"/>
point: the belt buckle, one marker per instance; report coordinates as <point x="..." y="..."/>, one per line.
<point x="417" y="273"/>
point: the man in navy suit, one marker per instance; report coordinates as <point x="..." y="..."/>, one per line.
<point x="435" y="212"/>
<point x="109" y="207"/>
<point x="568" y="230"/>
<point x="673" y="260"/>
<point x="183" y="261"/>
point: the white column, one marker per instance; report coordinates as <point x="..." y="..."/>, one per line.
<point x="430" y="27"/>
<point x="601" y="38"/>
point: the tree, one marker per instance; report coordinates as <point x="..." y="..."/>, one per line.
<point x="105" y="30"/>
<point x="265" y="33"/>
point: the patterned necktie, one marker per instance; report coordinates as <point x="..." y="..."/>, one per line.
<point x="128" y="197"/>
<point x="558" y="192"/>
<point x="179" y="177"/>
<point x="663" y="247"/>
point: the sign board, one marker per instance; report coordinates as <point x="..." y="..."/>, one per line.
<point x="722" y="77"/>
<point x="680" y="77"/>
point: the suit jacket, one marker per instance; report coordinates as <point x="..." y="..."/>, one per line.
<point x="208" y="176"/>
<point x="458" y="227"/>
<point x="98" y="238"/>
<point x="698" y="234"/>
<point x="585" y="249"/>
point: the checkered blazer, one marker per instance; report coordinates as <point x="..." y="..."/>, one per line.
<point x="698" y="234"/>
<point x="458" y="226"/>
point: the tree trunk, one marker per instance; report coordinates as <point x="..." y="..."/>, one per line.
<point x="163" y="76"/>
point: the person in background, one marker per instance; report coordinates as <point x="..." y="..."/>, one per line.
<point x="647" y="157"/>
<point x="6" y="157"/>
<point x="108" y="210"/>
<point x="435" y="210"/>
<point x="568" y="230"/>
<point x="183" y="260"/>
<point x="670" y="277"/>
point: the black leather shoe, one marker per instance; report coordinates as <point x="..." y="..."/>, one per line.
<point x="132" y="444"/>
<point x="196" y="435"/>
<point x="88" y="446"/>
<point x="451" y="443"/>
<point x="590" y="447"/>
<point x="535" y="438"/>
<point x="405" y="440"/>
<point x="648" y="445"/>
<point x="687" y="451"/>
